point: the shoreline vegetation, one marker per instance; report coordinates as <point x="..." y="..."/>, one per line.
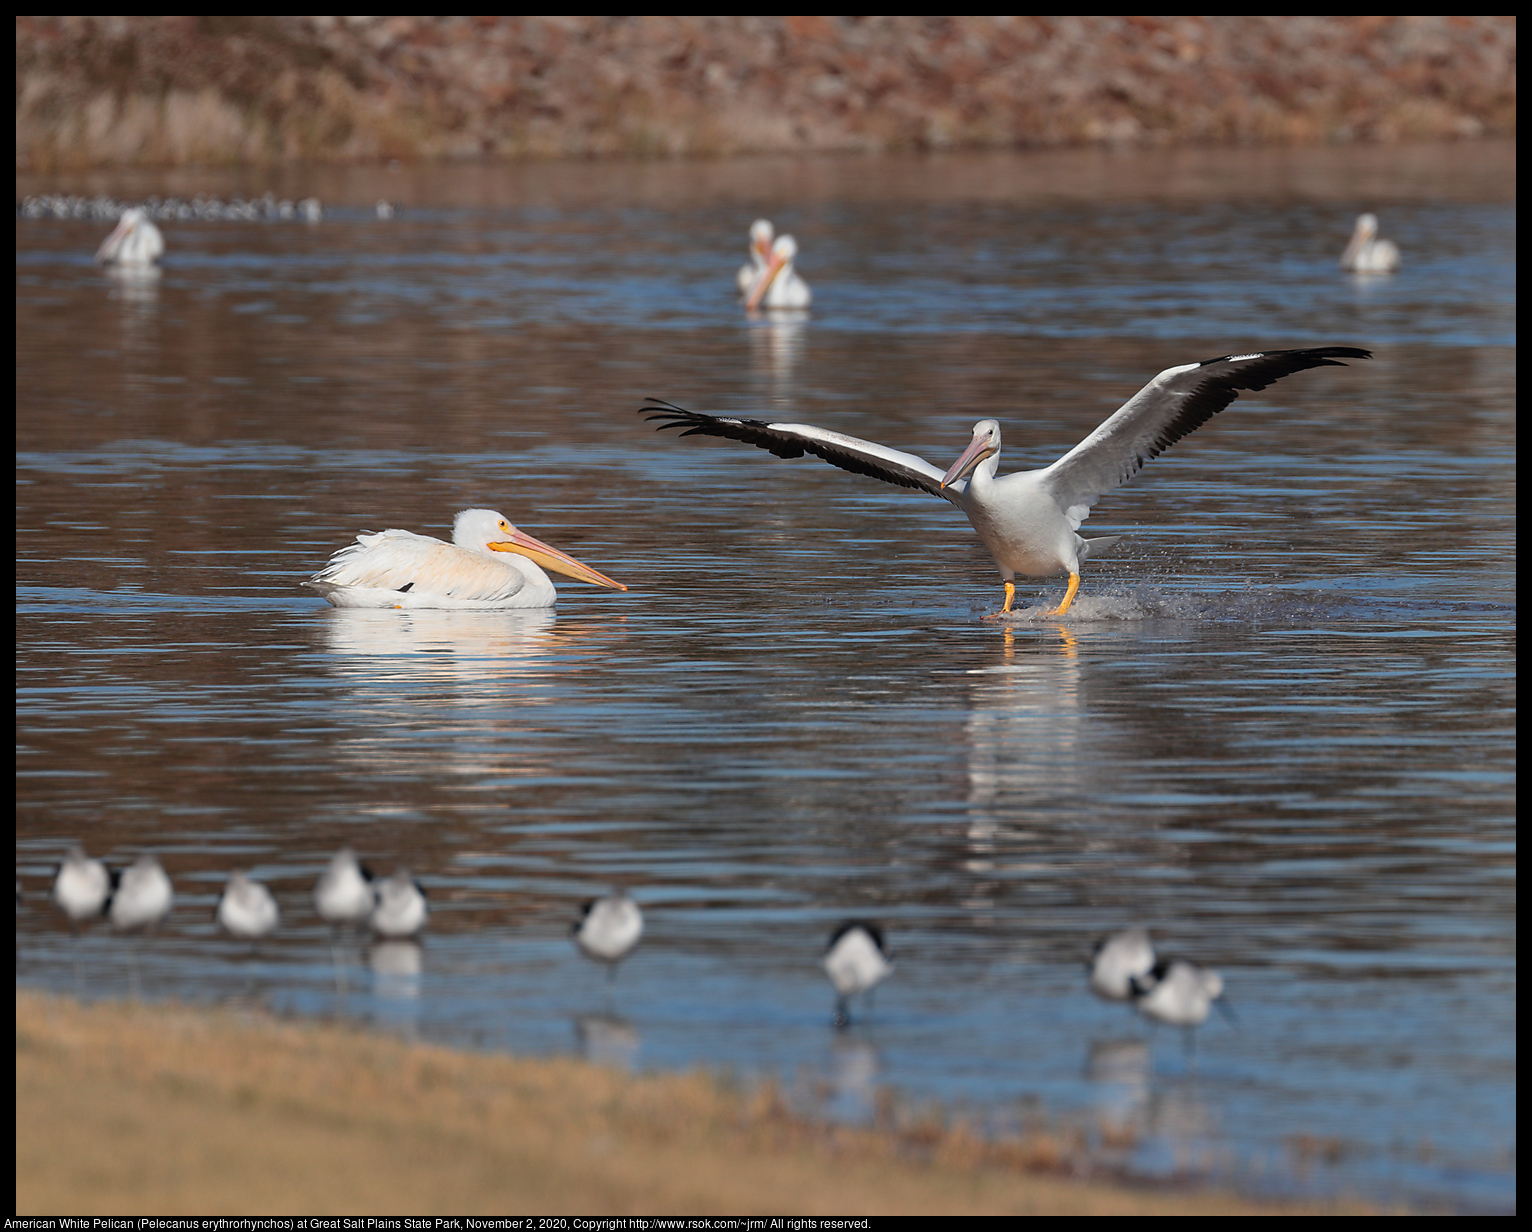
<point x="125" y="1107"/>
<point x="226" y="91"/>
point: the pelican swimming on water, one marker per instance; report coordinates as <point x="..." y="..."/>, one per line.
<point x="779" y="285"/>
<point x="760" y="256"/>
<point x="1366" y="253"/>
<point x="136" y="241"/>
<point x="397" y="568"/>
<point x="1028" y="519"/>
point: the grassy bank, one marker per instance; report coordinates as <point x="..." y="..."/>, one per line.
<point x="123" y="1108"/>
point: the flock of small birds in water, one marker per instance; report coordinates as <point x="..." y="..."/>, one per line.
<point x="101" y="208"/>
<point x="1123" y="967"/>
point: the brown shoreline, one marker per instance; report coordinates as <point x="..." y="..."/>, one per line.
<point x="126" y="1107"/>
<point x="223" y="90"/>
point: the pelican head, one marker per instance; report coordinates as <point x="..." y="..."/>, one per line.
<point x="782" y="254"/>
<point x="985" y="444"/>
<point x="484" y="530"/>
<point x="760" y="239"/>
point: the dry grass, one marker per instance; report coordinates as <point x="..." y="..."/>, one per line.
<point x="125" y="1107"/>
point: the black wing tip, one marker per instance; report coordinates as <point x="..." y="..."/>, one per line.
<point x="1318" y="356"/>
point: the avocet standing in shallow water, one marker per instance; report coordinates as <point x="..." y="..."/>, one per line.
<point x="1180" y="994"/>
<point x="143" y="896"/>
<point x="856" y="962"/>
<point x="343" y="895"/>
<point x="488" y="565"/>
<point x="1028" y="519"/>
<point x="401" y="911"/>
<point x="1117" y="960"/>
<point x="608" y="929"/>
<point x="82" y="887"/>
<point x="247" y="909"/>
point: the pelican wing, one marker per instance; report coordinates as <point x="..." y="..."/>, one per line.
<point x="787" y="440"/>
<point x="403" y="561"/>
<point x="1178" y="401"/>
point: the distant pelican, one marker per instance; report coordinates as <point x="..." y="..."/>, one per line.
<point x="1028" y="519"/>
<point x="143" y="896"/>
<point x="247" y="909"/>
<point x="608" y="929"/>
<point x="779" y="285"/>
<point x="344" y="892"/>
<point x="401" y="911"/>
<point x="855" y="961"/>
<point x="136" y="241"/>
<point x="760" y="256"/>
<point x="1366" y="254"/>
<point x="397" y="568"/>
<point x="82" y="887"/>
<point x="1117" y="960"/>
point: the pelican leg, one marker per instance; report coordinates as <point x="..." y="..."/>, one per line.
<point x="1010" y="598"/>
<point x="1069" y="595"/>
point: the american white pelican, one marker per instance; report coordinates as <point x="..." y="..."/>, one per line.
<point x="760" y="256"/>
<point x="855" y="961"/>
<point x="344" y="893"/>
<point x="401" y="911"/>
<point x="1117" y="960"/>
<point x="143" y="896"/>
<point x="608" y="929"/>
<point x="82" y="887"/>
<point x="1178" y="993"/>
<point x="1366" y="253"/>
<point x="247" y="909"/>
<point x="779" y="285"/>
<point x="397" y="568"/>
<point x="1028" y="519"/>
<point x="136" y="241"/>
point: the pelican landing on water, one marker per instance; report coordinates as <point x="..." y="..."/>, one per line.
<point x="1028" y="519"/>
<point x="397" y="568"/>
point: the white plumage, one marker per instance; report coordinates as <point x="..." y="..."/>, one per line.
<point x="489" y="564"/>
<point x="247" y="909"/>
<point x="344" y="892"/>
<point x="760" y="256"/>
<point x="1177" y="992"/>
<point x="401" y="910"/>
<point x="1029" y="519"/>
<point x="136" y="241"/>
<point x="1366" y="253"/>
<point x="143" y="896"/>
<point x="855" y="961"/>
<point x="82" y="887"/>
<point x="779" y="285"/>
<point x="609" y="928"/>
<point x="1117" y="960"/>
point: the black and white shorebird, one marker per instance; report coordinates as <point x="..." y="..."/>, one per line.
<point x="1179" y="994"/>
<point x="608" y="929"/>
<point x="856" y="961"/>
<point x="81" y="887"/>
<point x="1117" y="959"/>
<point x="1028" y="519"/>
<point x="344" y="894"/>
<point x="401" y="910"/>
<point x="247" y="909"/>
<point x="142" y="897"/>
